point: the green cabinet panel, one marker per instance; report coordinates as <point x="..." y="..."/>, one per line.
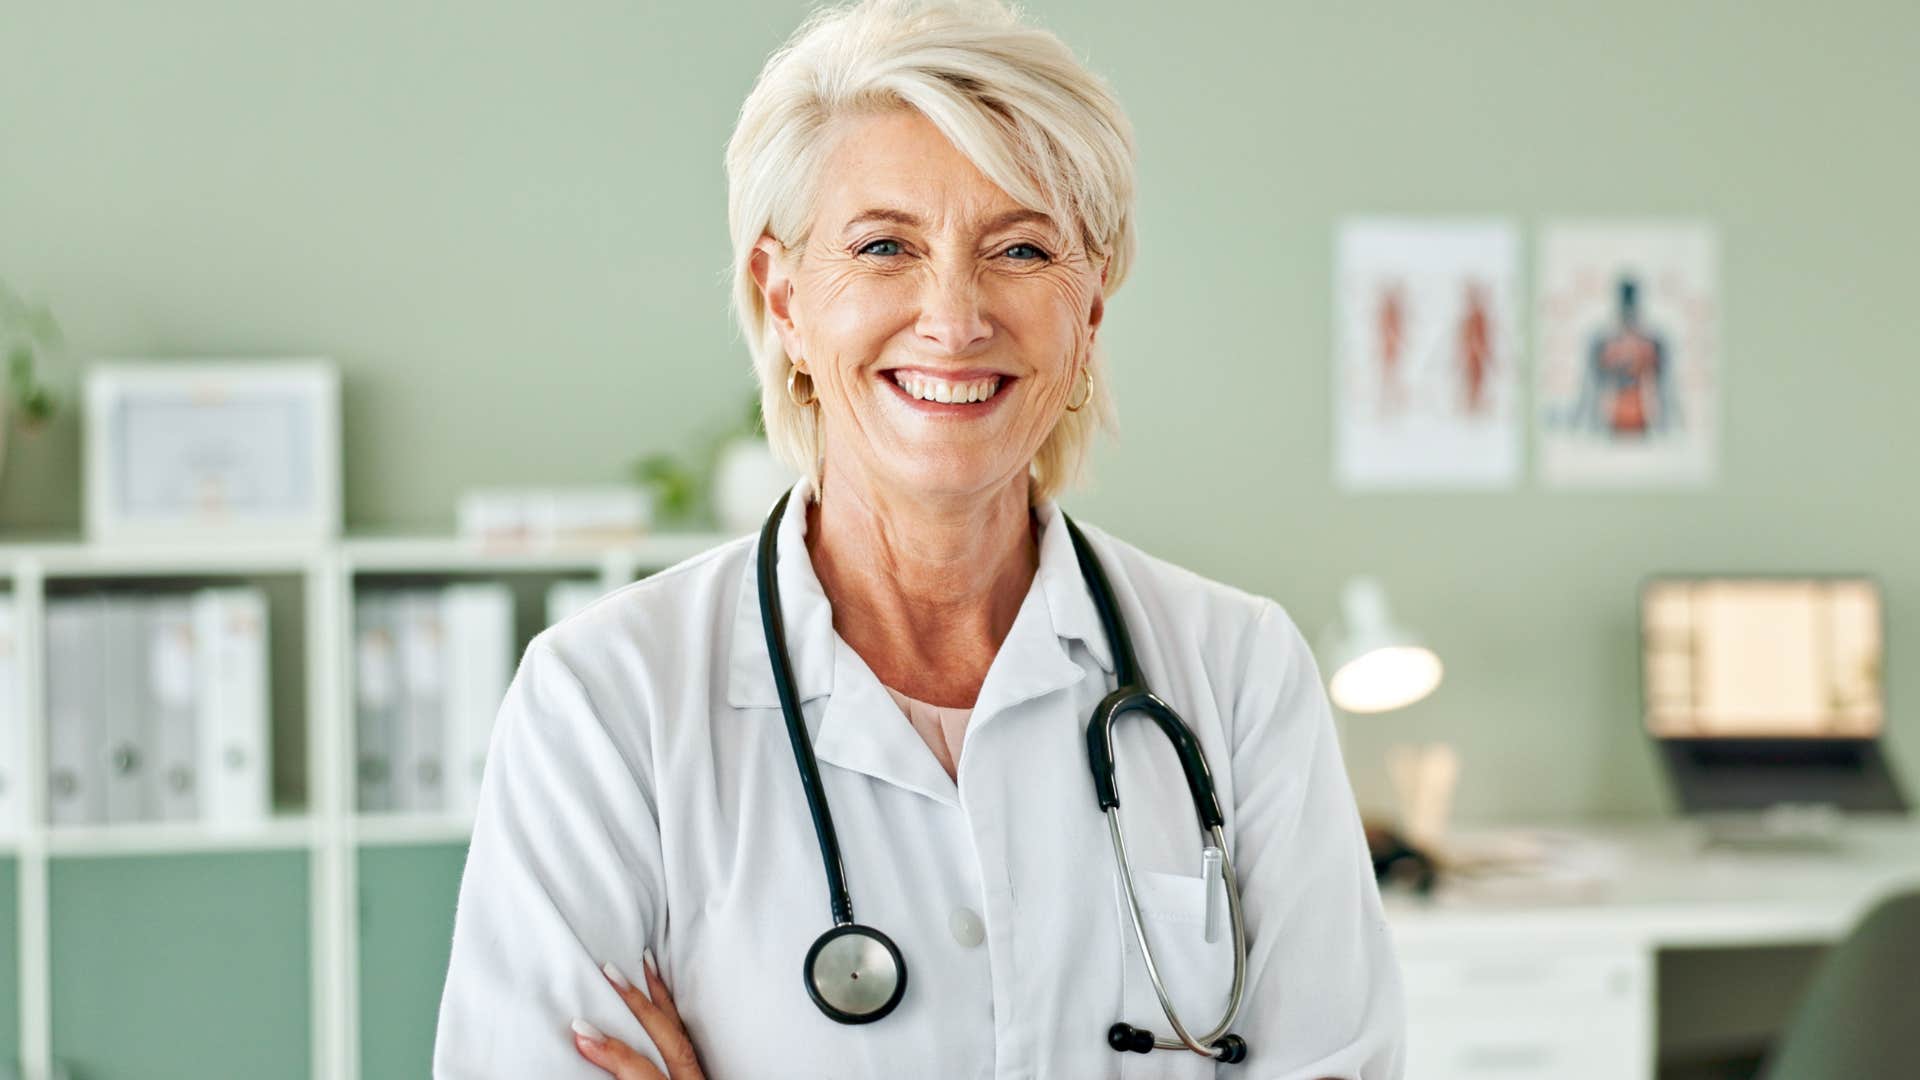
<point x="407" y="894"/>
<point x="9" y="962"/>
<point x="181" y="966"/>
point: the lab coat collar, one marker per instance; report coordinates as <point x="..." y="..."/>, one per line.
<point x="1031" y="661"/>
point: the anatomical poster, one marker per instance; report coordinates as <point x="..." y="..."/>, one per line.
<point x="1629" y="373"/>
<point x="1426" y="386"/>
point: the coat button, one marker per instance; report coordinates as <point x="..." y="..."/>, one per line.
<point x="967" y="928"/>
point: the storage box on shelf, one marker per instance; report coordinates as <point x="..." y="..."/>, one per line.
<point x="308" y="801"/>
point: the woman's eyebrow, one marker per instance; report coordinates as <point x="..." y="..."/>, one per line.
<point x="911" y="220"/>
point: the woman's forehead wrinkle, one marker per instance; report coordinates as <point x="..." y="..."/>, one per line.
<point x="927" y="199"/>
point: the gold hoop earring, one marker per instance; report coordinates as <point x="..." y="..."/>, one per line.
<point x="812" y="397"/>
<point x="1088" y="372"/>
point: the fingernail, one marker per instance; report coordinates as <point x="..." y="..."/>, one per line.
<point x="588" y="1032"/>
<point x="646" y="957"/>
<point x="615" y="974"/>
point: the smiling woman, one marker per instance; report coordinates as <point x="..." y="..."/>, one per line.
<point x="920" y="662"/>
<point x="920" y="284"/>
<point x="1001" y="174"/>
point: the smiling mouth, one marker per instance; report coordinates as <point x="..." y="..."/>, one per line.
<point x="929" y="390"/>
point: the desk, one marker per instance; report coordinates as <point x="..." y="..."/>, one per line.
<point x="1564" y="988"/>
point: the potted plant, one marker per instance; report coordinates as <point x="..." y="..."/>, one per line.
<point x="29" y="338"/>
<point x="730" y="481"/>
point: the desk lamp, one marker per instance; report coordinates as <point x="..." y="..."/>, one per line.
<point x="1376" y="665"/>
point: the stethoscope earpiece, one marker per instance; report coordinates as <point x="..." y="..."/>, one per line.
<point x="1129" y="1039"/>
<point x="1132" y="1040"/>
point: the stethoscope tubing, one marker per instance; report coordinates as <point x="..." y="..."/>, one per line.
<point x="1128" y="696"/>
<point x="840" y="900"/>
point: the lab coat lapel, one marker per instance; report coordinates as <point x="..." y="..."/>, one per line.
<point x="863" y="730"/>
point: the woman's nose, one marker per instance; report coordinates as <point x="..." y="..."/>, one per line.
<point x="951" y="312"/>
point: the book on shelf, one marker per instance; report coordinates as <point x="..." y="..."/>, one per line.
<point x="570" y="595"/>
<point x="431" y="668"/>
<point x="479" y="653"/>
<point x="170" y="685"/>
<point x="236" y="759"/>
<point x="158" y="707"/>
<point x="13" y="722"/>
<point x="76" y="726"/>
<point x="376" y="665"/>
<point x="123" y="717"/>
<point x="419" y="782"/>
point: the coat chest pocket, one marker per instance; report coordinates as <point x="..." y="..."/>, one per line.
<point x="1198" y="974"/>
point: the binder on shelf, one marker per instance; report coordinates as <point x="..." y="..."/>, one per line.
<point x="376" y="676"/>
<point x="76" y="772"/>
<point x="230" y="627"/>
<point x="478" y="665"/>
<point x="128" y="742"/>
<point x="13" y="723"/>
<point x="569" y="595"/>
<point x="419" y="782"/>
<point x="171" y="697"/>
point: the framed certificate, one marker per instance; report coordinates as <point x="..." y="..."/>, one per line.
<point x="214" y="450"/>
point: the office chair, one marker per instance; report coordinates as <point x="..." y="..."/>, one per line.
<point x="1857" y="1018"/>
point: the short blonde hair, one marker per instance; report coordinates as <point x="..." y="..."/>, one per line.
<point x="1010" y="97"/>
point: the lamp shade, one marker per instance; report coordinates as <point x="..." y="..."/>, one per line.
<point x="1376" y="664"/>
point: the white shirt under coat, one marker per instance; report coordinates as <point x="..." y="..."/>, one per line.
<point x="640" y="790"/>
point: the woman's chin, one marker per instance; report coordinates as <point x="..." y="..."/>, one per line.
<point x="953" y="478"/>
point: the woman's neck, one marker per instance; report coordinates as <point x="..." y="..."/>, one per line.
<point x="925" y="590"/>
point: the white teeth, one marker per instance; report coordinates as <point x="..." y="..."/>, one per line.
<point x="940" y="390"/>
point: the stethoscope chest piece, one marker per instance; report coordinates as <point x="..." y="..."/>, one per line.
<point x="855" y="974"/>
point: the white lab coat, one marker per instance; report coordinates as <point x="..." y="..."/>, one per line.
<point x="640" y="790"/>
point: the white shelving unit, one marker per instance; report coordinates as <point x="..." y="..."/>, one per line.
<point x="328" y="828"/>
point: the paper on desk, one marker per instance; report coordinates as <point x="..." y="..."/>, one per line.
<point x="1528" y="865"/>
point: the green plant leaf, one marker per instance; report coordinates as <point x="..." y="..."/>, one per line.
<point x="672" y="482"/>
<point x="37" y="405"/>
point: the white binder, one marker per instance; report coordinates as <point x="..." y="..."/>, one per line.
<point x="479" y="659"/>
<point x="568" y="595"/>
<point x="419" y="780"/>
<point x="76" y="773"/>
<point x="377" y="697"/>
<point x="128" y="742"/>
<point x="230" y="627"/>
<point x="173" y="706"/>
<point x="13" y="723"/>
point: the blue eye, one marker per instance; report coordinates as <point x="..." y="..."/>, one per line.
<point x="864" y="248"/>
<point x="1040" y="255"/>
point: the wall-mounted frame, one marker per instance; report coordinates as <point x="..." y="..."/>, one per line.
<point x="212" y="450"/>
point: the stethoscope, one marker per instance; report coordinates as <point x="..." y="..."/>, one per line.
<point x="856" y="975"/>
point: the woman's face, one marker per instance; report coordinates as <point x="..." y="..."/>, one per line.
<point x="943" y="325"/>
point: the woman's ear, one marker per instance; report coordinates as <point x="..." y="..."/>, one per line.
<point x="768" y="264"/>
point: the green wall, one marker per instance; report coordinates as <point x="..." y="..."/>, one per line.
<point x="507" y="223"/>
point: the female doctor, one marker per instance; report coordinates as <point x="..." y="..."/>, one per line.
<point x="930" y="205"/>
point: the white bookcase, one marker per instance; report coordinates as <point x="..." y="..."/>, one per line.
<point x="325" y="823"/>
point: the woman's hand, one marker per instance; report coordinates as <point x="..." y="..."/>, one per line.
<point x="653" y="1007"/>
